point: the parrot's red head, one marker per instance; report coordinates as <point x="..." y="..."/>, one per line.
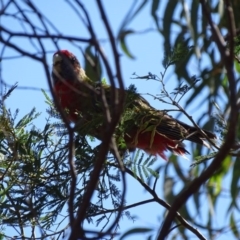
<point x="65" y="66"/>
<point x="67" y="75"/>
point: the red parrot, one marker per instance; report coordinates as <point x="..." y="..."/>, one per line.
<point x="144" y="127"/>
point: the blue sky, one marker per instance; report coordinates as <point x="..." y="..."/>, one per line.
<point x="148" y="52"/>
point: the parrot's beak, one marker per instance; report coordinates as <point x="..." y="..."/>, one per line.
<point x="57" y="58"/>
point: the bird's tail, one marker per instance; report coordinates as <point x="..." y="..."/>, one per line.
<point x="196" y="136"/>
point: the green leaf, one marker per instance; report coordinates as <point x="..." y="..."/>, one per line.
<point x="167" y="19"/>
<point x="135" y="231"/>
<point x="234" y="226"/>
<point x="145" y="171"/>
<point x="235" y="182"/>
<point x="92" y="65"/>
<point x="153" y="172"/>
<point x="122" y="38"/>
<point x="237" y="66"/>
<point x="201" y="159"/>
<point x="27" y="119"/>
<point x="140" y="172"/>
<point x="48" y="100"/>
<point x="215" y="182"/>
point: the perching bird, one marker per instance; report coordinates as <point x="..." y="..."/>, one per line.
<point x="141" y="126"/>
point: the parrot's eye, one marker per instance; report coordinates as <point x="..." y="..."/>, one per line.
<point x="73" y="59"/>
